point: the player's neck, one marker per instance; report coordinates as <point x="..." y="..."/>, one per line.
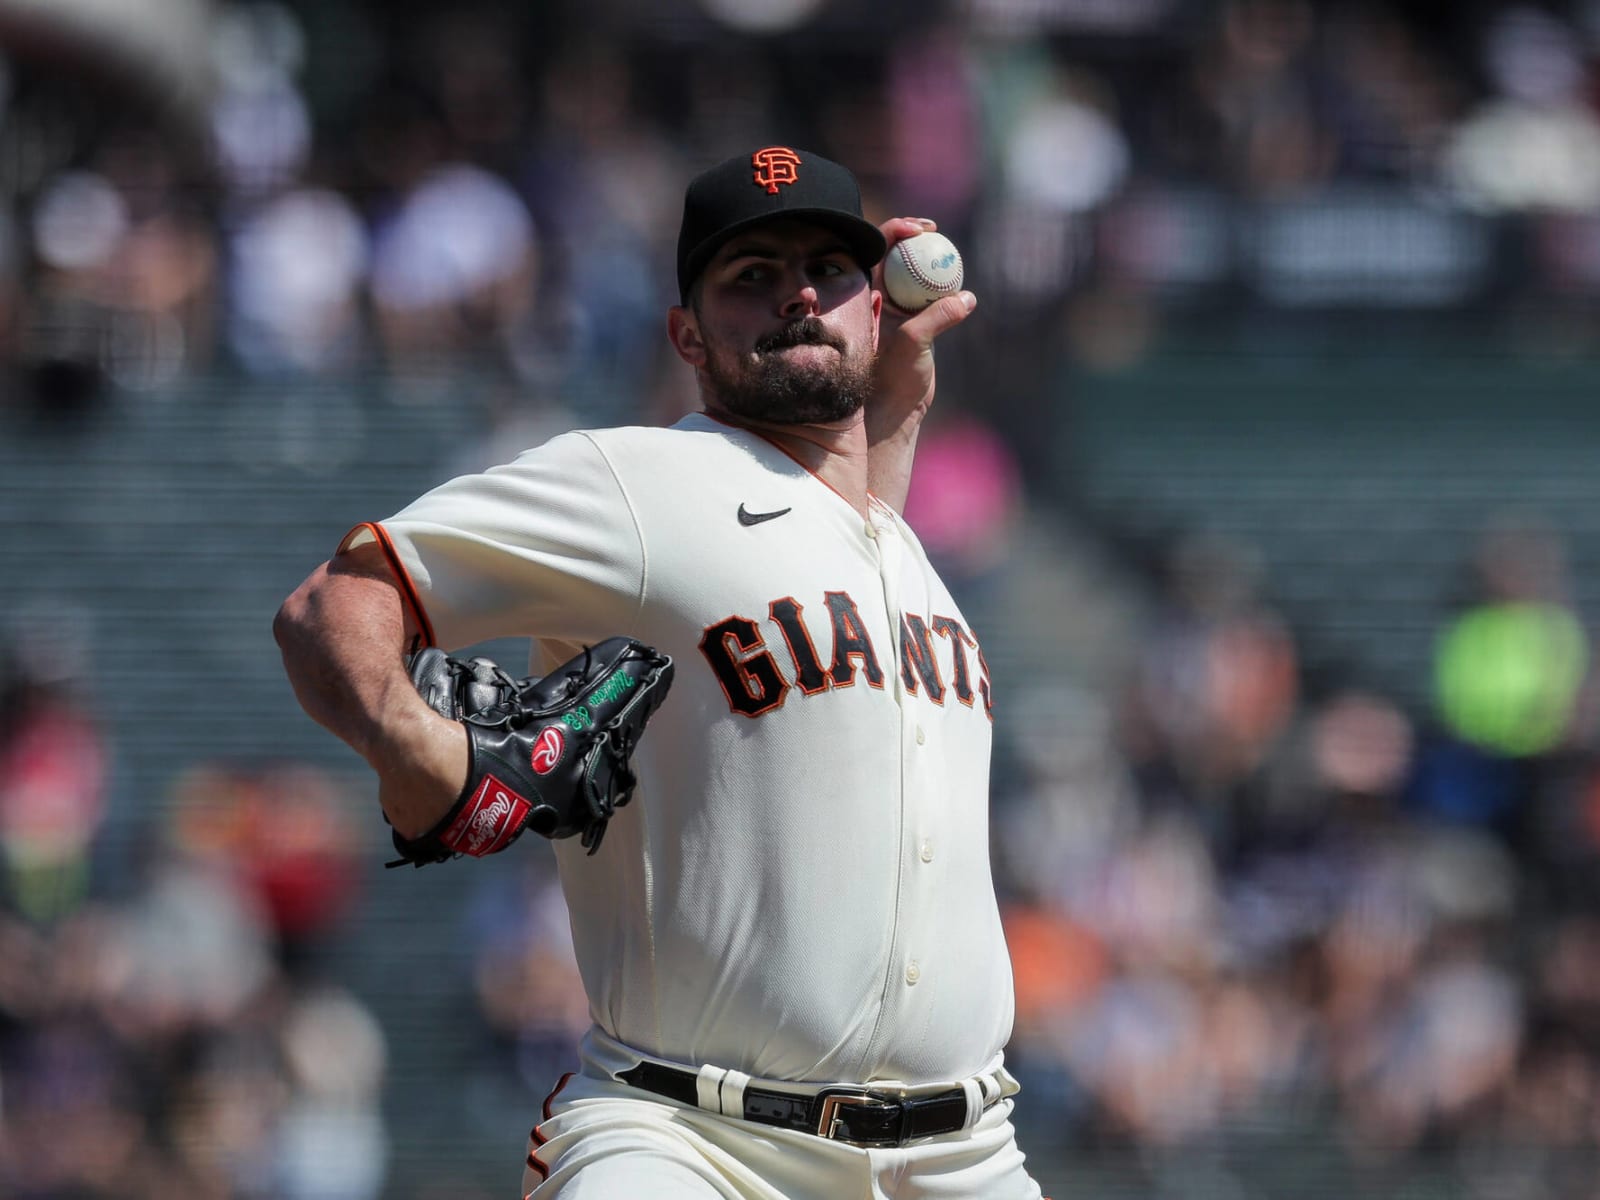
<point x="835" y="451"/>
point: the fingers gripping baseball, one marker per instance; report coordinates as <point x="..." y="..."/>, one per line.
<point x="906" y="360"/>
<point x="939" y="317"/>
<point x="905" y="354"/>
<point x="905" y="348"/>
<point x="550" y="754"/>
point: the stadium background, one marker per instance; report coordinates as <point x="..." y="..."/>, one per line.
<point x="1265" y="468"/>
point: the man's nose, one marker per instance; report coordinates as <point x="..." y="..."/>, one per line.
<point x="802" y="301"/>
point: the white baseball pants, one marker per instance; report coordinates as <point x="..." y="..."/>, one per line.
<point x="601" y="1140"/>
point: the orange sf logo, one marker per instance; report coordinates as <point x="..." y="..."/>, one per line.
<point x="775" y="165"/>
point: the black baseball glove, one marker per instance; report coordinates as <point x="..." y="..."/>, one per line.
<point x="548" y="754"/>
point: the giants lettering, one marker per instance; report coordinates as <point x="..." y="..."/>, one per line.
<point x="754" y="682"/>
<point x="808" y="671"/>
<point x="960" y="639"/>
<point x="751" y="681"/>
<point x="983" y="684"/>
<point x="850" y="641"/>
<point x="916" y="658"/>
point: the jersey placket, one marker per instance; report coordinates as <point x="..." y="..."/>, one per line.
<point x="901" y="971"/>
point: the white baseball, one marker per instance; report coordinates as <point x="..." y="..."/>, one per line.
<point x="921" y="269"/>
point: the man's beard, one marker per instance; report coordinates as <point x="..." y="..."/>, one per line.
<point x="784" y="393"/>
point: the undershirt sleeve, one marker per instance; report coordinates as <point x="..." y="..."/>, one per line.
<point x="546" y="546"/>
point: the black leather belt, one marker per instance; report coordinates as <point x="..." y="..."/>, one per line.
<point x="845" y="1114"/>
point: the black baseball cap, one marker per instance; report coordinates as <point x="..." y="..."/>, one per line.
<point x="773" y="182"/>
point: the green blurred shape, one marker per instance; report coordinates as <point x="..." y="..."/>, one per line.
<point x="1506" y="676"/>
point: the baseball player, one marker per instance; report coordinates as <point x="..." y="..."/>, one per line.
<point x="789" y="939"/>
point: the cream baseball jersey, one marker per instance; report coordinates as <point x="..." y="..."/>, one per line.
<point x="800" y="888"/>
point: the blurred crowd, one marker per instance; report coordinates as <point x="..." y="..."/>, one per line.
<point x="168" y="1026"/>
<point x="1242" y="902"/>
<point x="1238" y="899"/>
<point x="419" y="187"/>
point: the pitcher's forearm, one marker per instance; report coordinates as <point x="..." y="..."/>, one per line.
<point x="889" y="466"/>
<point x="904" y="387"/>
<point x="342" y="638"/>
<point x="342" y="635"/>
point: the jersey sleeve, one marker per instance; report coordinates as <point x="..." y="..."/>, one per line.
<point x="545" y="546"/>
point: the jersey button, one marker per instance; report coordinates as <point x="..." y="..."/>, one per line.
<point x="926" y="852"/>
<point x="913" y="973"/>
<point x="921" y="735"/>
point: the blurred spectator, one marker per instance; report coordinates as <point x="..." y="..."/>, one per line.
<point x="1535" y="143"/>
<point x="260" y="120"/>
<point x="192" y="951"/>
<point x="931" y="92"/>
<point x="286" y="834"/>
<point x="1336" y="778"/>
<point x="53" y="767"/>
<point x="299" y="269"/>
<point x="525" y="976"/>
<point x="1074" y="800"/>
<point x="1240" y="112"/>
<point x="1566" y="978"/>
<point x="1508" y="670"/>
<point x="1361" y="746"/>
<point x="1064" y="154"/>
<point x="78" y="223"/>
<point x="1220" y="678"/>
<point x="73" y="1125"/>
<point x="331" y="1141"/>
<point x="1155" y="900"/>
<point x="1061" y="156"/>
<point x="452" y="267"/>
<point x="156" y="269"/>
<point x="1392" y="96"/>
<point x="603" y="183"/>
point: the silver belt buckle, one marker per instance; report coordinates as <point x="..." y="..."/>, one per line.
<point x="829" y="1121"/>
<point x="832" y="1101"/>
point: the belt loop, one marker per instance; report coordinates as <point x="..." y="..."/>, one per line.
<point x="730" y="1093"/>
<point x="989" y="1085"/>
<point x="1008" y="1083"/>
<point x="976" y="1102"/>
<point x="708" y="1085"/>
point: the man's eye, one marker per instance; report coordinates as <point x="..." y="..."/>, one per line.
<point x="754" y="273"/>
<point x="829" y="270"/>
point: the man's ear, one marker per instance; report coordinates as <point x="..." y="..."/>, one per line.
<point x="683" y="328"/>
<point x="877" y="317"/>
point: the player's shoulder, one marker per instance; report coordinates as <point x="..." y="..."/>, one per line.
<point x="692" y="436"/>
<point x="598" y="444"/>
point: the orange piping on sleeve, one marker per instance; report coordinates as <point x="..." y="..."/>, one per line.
<point x="402" y="577"/>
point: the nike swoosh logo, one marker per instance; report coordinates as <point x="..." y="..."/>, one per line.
<point x="746" y="517"/>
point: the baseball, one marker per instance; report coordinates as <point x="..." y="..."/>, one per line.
<point x="921" y="269"/>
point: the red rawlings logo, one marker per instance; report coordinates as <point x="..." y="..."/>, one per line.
<point x="489" y="821"/>
<point x="547" y="749"/>
<point x="775" y="165"/>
